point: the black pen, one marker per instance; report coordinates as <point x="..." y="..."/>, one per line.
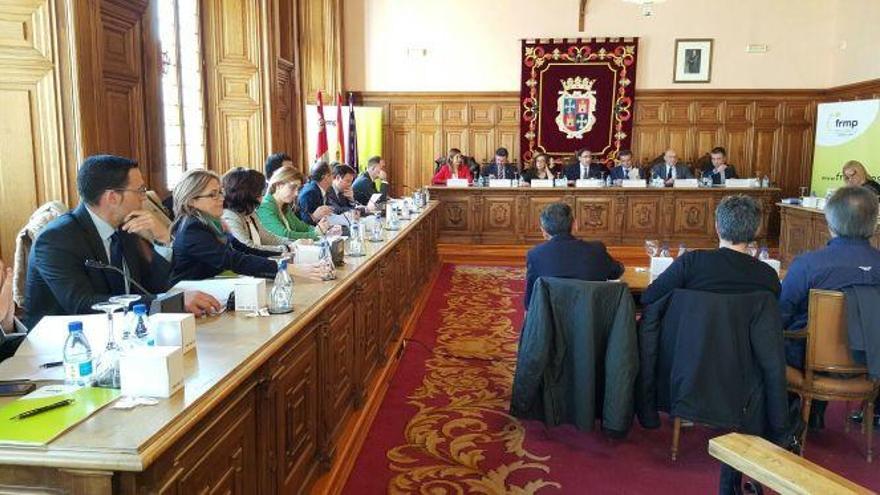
<point x="52" y="364"/>
<point x="42" y="409"/>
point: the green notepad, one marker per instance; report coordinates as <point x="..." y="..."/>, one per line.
<point x="45" y="427"/>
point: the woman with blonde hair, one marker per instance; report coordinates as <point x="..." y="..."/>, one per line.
<point x="855" y="174"/>
<point x="202" y="247"/>
<point x="278" y="210"/>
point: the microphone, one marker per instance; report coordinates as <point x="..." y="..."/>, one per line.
<point x="97" y="265"/>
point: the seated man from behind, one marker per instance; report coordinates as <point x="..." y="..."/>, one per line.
<point x="103" y="228"/>
<point x="365" y="185"/>
<point x="728" y="269"/>
<point x="565" y="256"/>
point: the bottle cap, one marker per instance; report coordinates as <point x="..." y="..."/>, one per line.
<point x="282" y="265"/>
<point x="140" y="309"/>
<point x="75" y="326"/>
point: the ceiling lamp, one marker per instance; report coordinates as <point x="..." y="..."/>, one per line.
<point x="647" y="5"/>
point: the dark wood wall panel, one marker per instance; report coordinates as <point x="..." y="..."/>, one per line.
<point x="765" y="132"/>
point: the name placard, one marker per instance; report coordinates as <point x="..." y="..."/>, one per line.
<point x="739" y="183"/>
<point x="560" y="183"/>
<point x="456" y="183"/>
<point x="589" y="183"/>
<point x="686" y="183"/>
<point x="634" y="183"/>
<point x="500" y="183"/>
<point x="542" y="182"/>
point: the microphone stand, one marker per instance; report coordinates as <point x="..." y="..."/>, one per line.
<point x="97" y="265"/>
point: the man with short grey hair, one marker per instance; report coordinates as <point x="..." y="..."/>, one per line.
<point x="565" y="256"/>
<point x="848" y="260"/>
<point x="728" y="269"/>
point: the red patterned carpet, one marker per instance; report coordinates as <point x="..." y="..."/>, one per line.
<point x="444" y="429"/>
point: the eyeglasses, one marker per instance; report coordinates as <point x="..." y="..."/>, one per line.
<point x="212" y="195"/>
<point x="141" y="191"/>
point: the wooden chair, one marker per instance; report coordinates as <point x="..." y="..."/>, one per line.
<point x="829" y="370"/>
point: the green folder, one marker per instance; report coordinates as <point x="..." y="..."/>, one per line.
<point x="45" y="427"/>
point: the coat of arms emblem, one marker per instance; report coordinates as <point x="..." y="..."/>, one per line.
<point x="576" y="107"/>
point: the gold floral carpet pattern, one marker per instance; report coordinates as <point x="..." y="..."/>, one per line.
<point x="462" y="439"/>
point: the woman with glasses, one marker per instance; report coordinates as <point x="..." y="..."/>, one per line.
<point x="203" y="248"/>
<point x="278" y="211"/>
<point x="855" y="174"/>
<point x="244" y="191"/>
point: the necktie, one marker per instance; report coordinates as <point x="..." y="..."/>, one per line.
<point x="668" y="172"/>
<point x="583" y="172"/>
<point x="116" y="280"/>
<point x="500" y="171"/>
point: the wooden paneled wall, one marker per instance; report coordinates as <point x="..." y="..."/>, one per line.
<point x="767" y="132"/>
<point x="320" y="45"/>
<point x="34" y="164"/>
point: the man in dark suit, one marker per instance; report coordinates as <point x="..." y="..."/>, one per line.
<point x="584" y="168"/>
<point x="719" y="171"/>
<point x="365" y="185"/>
<point x="670" y="169"/>
<point x="104" y="228"/>
<point x="625" y="167"/>
<point x="340" y="196"/>
<point x="312" y="198"/>
<point x="564" y="256"/>
<point x="500" y="169"/>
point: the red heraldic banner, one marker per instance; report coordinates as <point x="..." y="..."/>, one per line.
<point x="577" y="93"/>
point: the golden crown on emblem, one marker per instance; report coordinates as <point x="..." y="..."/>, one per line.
<point x="575" y="83"/>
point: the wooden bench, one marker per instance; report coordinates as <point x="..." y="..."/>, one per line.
<point x="777" y="468"/>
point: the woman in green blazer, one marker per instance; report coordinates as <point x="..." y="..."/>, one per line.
<point x="277" y="211"/>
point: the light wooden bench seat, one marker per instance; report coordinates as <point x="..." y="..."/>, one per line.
<point x="777" y="468"/>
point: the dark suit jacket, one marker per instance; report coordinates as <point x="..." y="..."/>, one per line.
<point x="309" y="199"/>
<point x="573" y="172"/>
<point x="58" y="283"/>
<point x="681" y="171"/>
<point x="364" y="188"/>
<point x="564" y="256"/>
<point x="200" y="254"/>
<point x="492" y="169"/>
<point x="617" y="173"/>
<point x="729" y="173"/>
<point x="339" y="202"/>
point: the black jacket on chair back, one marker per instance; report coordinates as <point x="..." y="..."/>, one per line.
<point x="578" y="357"/>
<point x="59" y="283"/>
<point x="714" y="358"/>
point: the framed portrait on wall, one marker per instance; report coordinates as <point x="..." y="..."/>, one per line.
<point x="693" y="61"/>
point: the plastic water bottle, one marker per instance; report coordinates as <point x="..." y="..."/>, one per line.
<point x="77" y="356"/>
<point x="141" y="327"/>
<point x="281" y="295"/>
<point x="608" y="181"/>
<point x="765" y="182"/>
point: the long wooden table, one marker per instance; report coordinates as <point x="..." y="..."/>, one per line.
<point x="805" y="229"/>
<point x="265" y="399"/>
<point x="617" y="216"/>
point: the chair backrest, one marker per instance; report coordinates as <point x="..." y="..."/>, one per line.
<point x="827" y="338"/>
<point x="25" y="239"/>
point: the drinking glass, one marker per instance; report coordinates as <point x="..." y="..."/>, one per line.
<point x="124" y="301"/>
<point x="664" y="251"/>
<point x="803" y="191"/>
<point x="651" y="248"/>
<point x="326" y="261"/>
<point x="376" y="231"/>
<point x="107" y="365"/>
